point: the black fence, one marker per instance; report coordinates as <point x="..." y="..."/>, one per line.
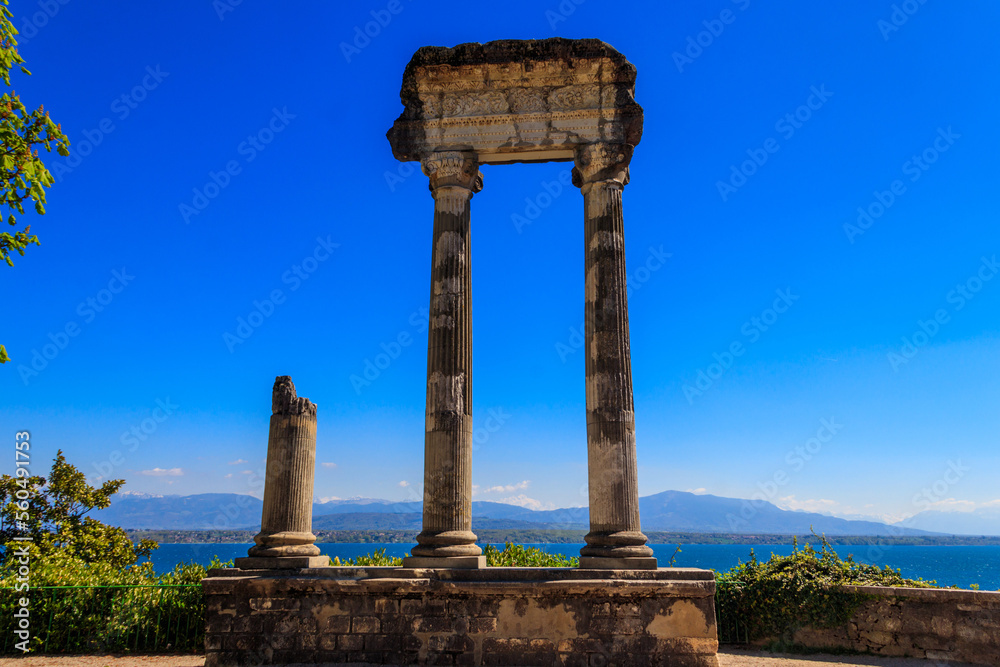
<point x="100" y="619"/>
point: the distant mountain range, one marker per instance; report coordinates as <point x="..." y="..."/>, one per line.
<point x="983" y="521"/>
<point x="674" y="511"/>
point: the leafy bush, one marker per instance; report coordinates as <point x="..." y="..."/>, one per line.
<point x="512" y="555"/>
<point x="91" y="588"/>
<point x="377" y="559"/>
<point x="776" y="597"/>
<point x="80" y="607"/>
<point x="517" y="555"/>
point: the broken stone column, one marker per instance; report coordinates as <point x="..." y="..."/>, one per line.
<point x="447" y="539"/>
<point x="615" y="540"/>
<point x="286" y="539"/>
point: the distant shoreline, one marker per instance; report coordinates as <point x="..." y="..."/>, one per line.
<point x="559" y="537"/>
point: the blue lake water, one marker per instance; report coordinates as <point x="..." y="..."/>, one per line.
<point x="950" y="566"/>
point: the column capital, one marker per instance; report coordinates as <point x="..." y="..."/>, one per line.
<point x="453" y="168"/>
<point x="594" y="163"/>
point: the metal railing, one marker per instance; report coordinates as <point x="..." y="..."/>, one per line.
<point x="728" y="616"/>
<point x="100" y="619"/>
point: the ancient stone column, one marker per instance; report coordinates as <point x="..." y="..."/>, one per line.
<point x="447" y="539"/>
<point x="286" y="539"/>
<point x="614" y="540"/>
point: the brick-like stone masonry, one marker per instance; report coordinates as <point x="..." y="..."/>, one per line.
<point x="497" y="616"/>
<point x="937" y="624"/>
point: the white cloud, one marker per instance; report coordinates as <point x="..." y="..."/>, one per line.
<point x="246" y="472"/>
<point x="699" y="491"/>
<point x="869" y="513"/>
<point x="508" y="488"/>
<point x="952" y="505"/>
<point x="522" y="500"/>
<point x="821" y="505"/>
<point x="163" y="472"/>
<point x="835" y="508"/>
<point x="229" y="475"/>
<point x="328" y="464"/>
<point x="237" y="462"/>
<point x="403" y="484"/>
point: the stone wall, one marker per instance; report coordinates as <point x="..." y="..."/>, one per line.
<point x="939" y="624"/>
<point x="496" y="616"/>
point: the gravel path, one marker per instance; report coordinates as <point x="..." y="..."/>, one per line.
<point x="105" y="661"/>
<point x="727" y="658"/>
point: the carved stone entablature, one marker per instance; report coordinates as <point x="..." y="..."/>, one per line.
<point x="516" y="100"/>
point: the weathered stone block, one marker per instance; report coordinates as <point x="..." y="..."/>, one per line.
<point x="525" y="616"/>
<point x="339" y="624"/>
<point x="435" y="624"/>
<point x="350" y="642"/>
<point x="940" y="624"/>
<point x="481" y="625"/>
<point x="364" y="624"/>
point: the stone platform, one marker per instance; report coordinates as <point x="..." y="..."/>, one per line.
<point x="493" y="616"/>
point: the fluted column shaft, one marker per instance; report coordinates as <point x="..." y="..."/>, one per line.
<point x="447" y="518"/>
<point x="286" y="520"/>
<point x="601" y="173"/>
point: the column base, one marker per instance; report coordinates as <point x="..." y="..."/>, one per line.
<point x="601" y="563"/>
<point x="445" y="562"/>
<point x="281" y="563"/>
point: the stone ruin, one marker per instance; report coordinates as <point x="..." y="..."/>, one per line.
<point x="496" y="103"/>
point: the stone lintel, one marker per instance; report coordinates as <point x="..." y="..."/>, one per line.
<point x="516" y="100"/>
<point x="504" y="575"/>
<point x="281" y="562"/>
<point x="633" y="563"/>
<point x="450" y="562"/>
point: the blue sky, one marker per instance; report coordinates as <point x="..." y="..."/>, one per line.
<point x="248" y="156"/>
